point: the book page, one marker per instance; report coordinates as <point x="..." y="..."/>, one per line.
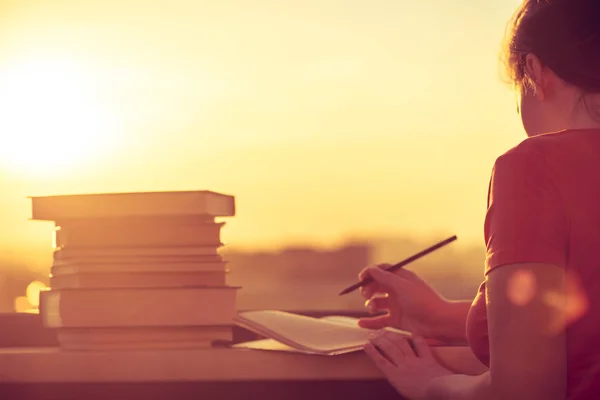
<point x="273" y="345"/>
<point x="270" y="344"/>
<point x="350" y="321"/>
<point x="305" y="333"/>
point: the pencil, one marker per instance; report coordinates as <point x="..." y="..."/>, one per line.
<point x="400" y="264"/>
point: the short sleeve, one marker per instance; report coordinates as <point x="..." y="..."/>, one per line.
<point x="526" y="219"/>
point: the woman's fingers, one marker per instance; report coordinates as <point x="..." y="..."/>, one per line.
<point x="389" y="350"/>
<point x="422" y="348"/>
<point x="377" y="304"/>
<point x="369" y="290"/>
<point x="407" y="274"/>
<point x="384" y="364"/>
<point x="365" y="272"/>
<point x="393" y="346"/>
<point x="399" y="341"/>
<point x="389" y="280"/>
<point x="378" y="322"/>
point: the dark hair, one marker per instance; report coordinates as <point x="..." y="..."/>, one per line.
<point x="564" y="34"/>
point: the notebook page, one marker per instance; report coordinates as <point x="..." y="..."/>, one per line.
<point x="350" y="321"/>
<point x="273" y="345"/>
<point x="270" y="344"/>
<point x="310" y="333"/>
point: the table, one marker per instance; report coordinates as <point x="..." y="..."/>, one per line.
<point x="33" y="368"/>
<point x="48" y="373"/>
<point x="218" y="373"/>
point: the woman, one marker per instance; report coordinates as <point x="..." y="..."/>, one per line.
<point x="536" y="319"/>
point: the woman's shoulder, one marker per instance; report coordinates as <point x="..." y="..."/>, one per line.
<point x="528" y="155"/>
<point x="557" y="148"/>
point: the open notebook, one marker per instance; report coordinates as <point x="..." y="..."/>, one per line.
<point x="301" y="334"/>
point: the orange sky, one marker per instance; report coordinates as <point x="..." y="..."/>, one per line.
<point x="325" y="118"/>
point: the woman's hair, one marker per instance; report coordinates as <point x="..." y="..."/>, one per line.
<point x="564" y="34"/>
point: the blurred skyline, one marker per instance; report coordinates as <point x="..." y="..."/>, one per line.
<point x="326" y="119"/>
<point x="282" y="278"/>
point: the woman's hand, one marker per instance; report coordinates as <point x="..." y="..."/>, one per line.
<point x="411" y="304"/>
<point x="408" y="371"/>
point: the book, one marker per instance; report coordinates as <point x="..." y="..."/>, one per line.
<point x="142" y="263"/>
<point x="156" y="221"/>
<point x="135" y="233"/>
<point x="135" y="280"/>
<point x="132" y="252"/>
<point x="291" y="332"/>
<point x="60" y="268"/>
<point x="137" y="338"/>
<point x="141" y="307"/>
<point x="137" y="270"/>
<point x="111" y="205"/>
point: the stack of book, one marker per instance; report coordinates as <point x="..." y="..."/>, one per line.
<point x="137" y="270"/>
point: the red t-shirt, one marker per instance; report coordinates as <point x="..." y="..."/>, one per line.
<point x="544" y="207"/>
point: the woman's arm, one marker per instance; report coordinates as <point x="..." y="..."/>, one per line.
<point x="451" y="328"/>
<point x="527" y="315"/>
<point x="452" y="324"/>
<point x="458" y="359"/>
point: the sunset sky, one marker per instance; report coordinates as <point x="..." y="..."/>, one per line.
<point x="325" y="119"/>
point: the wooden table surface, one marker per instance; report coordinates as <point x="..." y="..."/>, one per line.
<point x="48" y="373"/>
<point x="217" y="364"/>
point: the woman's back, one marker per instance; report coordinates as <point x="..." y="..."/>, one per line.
<point x="542" y="230"/>
<point x="560" y="206"/>
<point x="574" y="160"/>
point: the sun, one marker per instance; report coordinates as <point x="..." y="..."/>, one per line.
<point x="53" y="120"/>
